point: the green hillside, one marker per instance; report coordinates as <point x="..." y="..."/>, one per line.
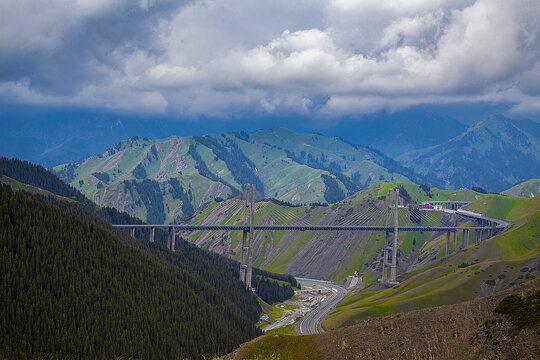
<point x="502" y="207"/>
<point x="529" y="188"/>
<point x="480" y="269"/>
<point x="162" y="180"/>
<point x="419" y="193"/>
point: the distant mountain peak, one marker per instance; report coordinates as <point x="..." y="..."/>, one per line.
<point x="493" y="153"/>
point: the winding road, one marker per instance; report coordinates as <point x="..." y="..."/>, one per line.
<point x="311" y="322"/>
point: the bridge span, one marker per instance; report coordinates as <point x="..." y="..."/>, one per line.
<point x="485" y="228"/>
<point x="196" y="227"/>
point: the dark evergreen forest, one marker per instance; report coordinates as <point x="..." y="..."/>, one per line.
<point x="72" y="288"/>
<point x="76" y="287"/>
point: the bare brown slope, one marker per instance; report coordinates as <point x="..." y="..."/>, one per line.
<point x="461" y="331"/>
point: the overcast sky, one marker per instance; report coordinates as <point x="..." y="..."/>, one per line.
<point x="232" y="58"/>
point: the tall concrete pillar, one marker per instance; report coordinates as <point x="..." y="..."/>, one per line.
<point x="132" y="232"/>
<point x="394" y="246"/>
<point x="173" y="242"/>
<point x="170" y="238"/>
<point x="447" y="243"/>
<point x="465" y="241"/>
<point x="243" y="257"/>
<point x="384" y="277"/>
<point x="152" y="234"/>
<point x="251" y="238"/>
<point x="455" y="240"/>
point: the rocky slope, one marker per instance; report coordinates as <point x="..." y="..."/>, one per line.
<point x="328" y="255"/>
<point x="470" y="330"/>
<point x="161" y="180"/>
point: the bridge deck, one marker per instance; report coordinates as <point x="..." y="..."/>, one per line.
<point x="307" y="227"/>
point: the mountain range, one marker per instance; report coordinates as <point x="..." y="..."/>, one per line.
<point x="165" y="179"/>
<point x="450" y="151"/>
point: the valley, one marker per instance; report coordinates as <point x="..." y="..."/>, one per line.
<point x="198" y="182"/>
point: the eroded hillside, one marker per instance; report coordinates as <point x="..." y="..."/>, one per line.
<point x="470" y="330"/>
<point x="331" y="255"/>
<point x="162" y="180"/>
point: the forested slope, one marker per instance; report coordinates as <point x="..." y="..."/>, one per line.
<point x="73" y="288"/>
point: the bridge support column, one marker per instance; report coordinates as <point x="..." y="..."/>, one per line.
<point x="152" y="234"/>
<point x="465" y="242"/>
<point x="384" y="277"/>
<point x="171" y="239"/>
<point x="394" y="245"/>
<point x="386" y="249"/>
<point x="454" y="234"/>
<point x="244" y="254"/>
<point x="132" y="232"/>
<point x="251" y="238"/>
<point x="447" y="243"/>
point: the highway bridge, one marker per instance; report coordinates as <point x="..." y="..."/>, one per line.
<point x="483" y="227"/>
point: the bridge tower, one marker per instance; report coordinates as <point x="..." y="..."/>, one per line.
<point x="394" y="245"/>
<point x="251" y="238"/>
<point x="386" y="248"/>
<point x="243" y="258"/>
<point x="387" y="278"/>
<point x="248" y="237"/>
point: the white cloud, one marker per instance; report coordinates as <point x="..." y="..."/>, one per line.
<point x="324" y="58"/>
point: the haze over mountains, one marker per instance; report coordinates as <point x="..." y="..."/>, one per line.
<point x="494" y="153"/>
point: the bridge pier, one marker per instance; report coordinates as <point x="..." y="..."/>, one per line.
<point x="454" y="235"/>
<point x="152" y="234"/>
<point x="132" y="232"/>
<point x="384" y="277"/>
<point x="251" y="239"/>
<point x="447" y="252"/>
<point x="171" y="239"/>
<point x="393" y="268"/>
<point x="245" y="249"/>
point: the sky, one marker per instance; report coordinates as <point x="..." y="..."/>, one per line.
<point x="319" y="59"/>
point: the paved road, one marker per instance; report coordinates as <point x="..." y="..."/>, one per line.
<point x="311" y="322"/>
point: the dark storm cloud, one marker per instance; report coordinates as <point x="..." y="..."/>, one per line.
<point x="320" y="58"/>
